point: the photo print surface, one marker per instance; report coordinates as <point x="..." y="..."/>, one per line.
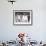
<point x="22" y="17"/>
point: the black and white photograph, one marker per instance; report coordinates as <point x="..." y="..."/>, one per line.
<point x="22" y="16"/>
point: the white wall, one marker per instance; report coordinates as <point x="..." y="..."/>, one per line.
<point x="38" y="30"/>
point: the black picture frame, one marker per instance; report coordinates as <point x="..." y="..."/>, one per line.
<point x="26" y="14"/>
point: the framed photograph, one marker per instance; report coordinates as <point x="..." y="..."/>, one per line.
<point x="22" y="17"/>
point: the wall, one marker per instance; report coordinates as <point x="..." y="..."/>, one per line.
<point x="9" y="31"/>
